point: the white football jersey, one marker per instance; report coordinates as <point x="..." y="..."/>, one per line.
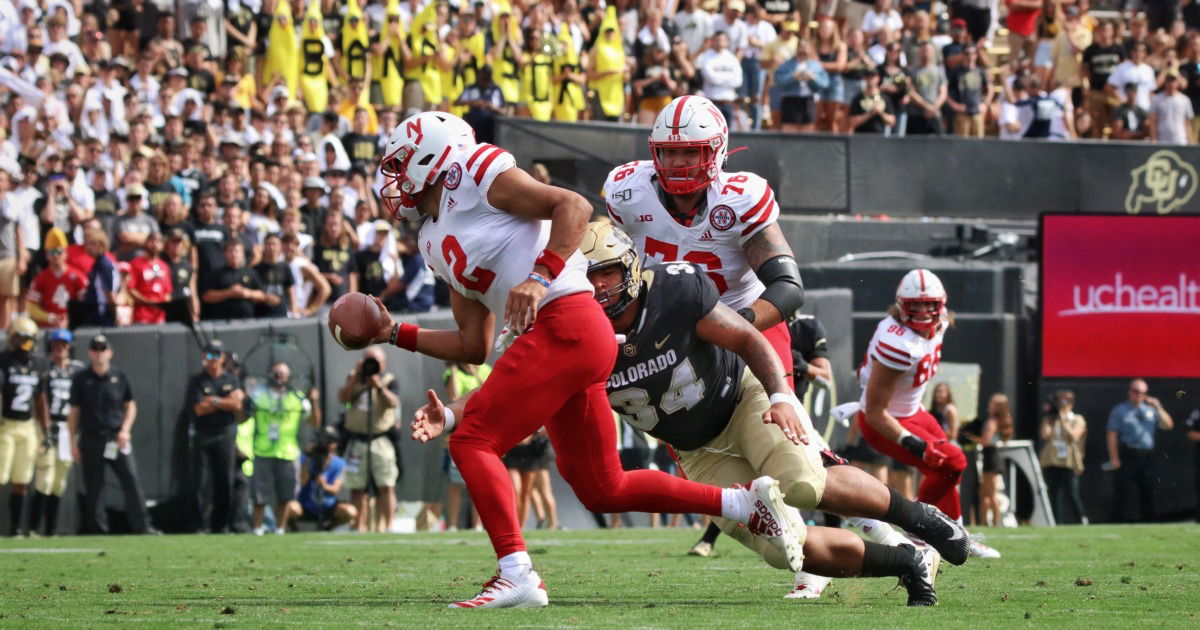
<point x="739" y="206"/>
<point x="481" y="251"/>
<point x="899" y="347"/>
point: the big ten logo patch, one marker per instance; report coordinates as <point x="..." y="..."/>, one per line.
<point x="1163" y="184"/>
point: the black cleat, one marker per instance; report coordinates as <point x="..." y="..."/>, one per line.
<point x="944" y="534"/>
<point x="919" y="581"/>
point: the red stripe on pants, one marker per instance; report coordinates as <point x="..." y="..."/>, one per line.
<point x="781" y="340"/>
<point x="940" y="485"/>
<point x="554" y="376"/>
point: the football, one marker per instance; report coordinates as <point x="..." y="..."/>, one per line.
<point x="354" y="320"/>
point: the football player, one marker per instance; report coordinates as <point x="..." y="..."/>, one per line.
<point x="53" y="461"/>
<point x="507" y="246"/>
<point x="903" y="355"/>
<point x="20" y="386"/>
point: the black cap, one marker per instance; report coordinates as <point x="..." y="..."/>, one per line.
<point x="99" y="342"/>
<point x="326" y="435"/>
<point x="214" y="346"/>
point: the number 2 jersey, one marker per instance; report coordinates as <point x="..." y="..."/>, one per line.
<point x="899" y="347"/>
<point x="20" y="383"/>
<point x="668" y="381"/>
<point x="481" y="251"/>
<point x="738" y="206"/>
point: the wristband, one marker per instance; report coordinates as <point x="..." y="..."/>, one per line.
<point x="903" y="434"/>
<point x="552" y="262"/>
<point x="405" y="336"/>
<point x="539" y="278"/>
<point x="451" y="421"/>
<point x="787" y="397"/>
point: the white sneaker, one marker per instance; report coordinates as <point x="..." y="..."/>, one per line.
<point x="980" y="550"/>
<point x="499" y="592"/>
<point x="808" y="586"/>
<point x="771" y="518"/>
<point x="279" y="531"/>
<point x="259" y="531"/>
<point x="702" y="549"/>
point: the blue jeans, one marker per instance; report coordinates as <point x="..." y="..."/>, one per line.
<point x="752" y="82"/>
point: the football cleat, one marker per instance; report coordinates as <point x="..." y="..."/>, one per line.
<point x="808" y="586"/>
<point x="770" y="518"/>
<point x="920" y="580"/>
<point x="501" y="592"/>
<point x="702" y="548"/>
<point x="944" y="534"/>
<point x="980" y="550"/>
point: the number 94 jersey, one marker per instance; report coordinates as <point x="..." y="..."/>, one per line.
<point x="668" y="381"/>
<point x="20" y="383"/>
<point x="900" y="348"/>
<point x="738" y="206"/>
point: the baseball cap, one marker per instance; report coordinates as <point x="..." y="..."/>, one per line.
<point x="234" y="139"/>
<point x="791" y="25"/>
<point x="177" y="234"/>
<point x="214" y="346"/>
<point x="1071" y="11"/>
<point x="178" y="72"/>
<point x="60" y="334"/>
<point x="958" y="22"/>
<point x="314" y="182"/>
<point x="736" y="5"/>
<point x="382" y="226"/>
<point x="135" y="190"/>
<point x="99" y="342"/>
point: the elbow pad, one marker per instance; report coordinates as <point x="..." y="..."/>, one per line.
<point x="785" y="289"/>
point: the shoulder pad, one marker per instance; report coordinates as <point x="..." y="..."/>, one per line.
<point x="751" y="201"/>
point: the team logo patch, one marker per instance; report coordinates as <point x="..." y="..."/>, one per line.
<point x="722" y="217"/>
<point x="630" y="350"/>
<point x="453" y="176"/>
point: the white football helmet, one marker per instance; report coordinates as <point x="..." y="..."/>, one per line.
<point x="689" y="122"/>
<point x="920" y="286"/>
<point x="418" y="151"/>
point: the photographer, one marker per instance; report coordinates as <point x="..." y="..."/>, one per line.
<point x="371" y="397"/>
<point x="278" y="410"/>
<point x="1064" y="433"/>
<point x="321" y="478"/>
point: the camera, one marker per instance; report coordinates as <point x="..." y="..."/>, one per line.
<point x="370" y="367"/>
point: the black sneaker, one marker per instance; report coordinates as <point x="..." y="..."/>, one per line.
<point x="919" y="581"/>
<point x="944" y="534"/>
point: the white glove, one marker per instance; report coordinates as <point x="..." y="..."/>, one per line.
<point x="504" y="340"/>
<point x="822" y="381"/>
<point x="843" y="412"/>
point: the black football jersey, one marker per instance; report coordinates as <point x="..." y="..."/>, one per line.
<point x="808" y="343"/>
<point x="20" y="383"/>
<point x="668" y="381"/>
<point x="57" y="383"/>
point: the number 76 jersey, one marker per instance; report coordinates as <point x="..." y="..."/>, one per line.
<point x="738" y="206"/>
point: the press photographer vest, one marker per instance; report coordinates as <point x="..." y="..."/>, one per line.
<point x="277" y="419"/>
<point x="382" y="417"/>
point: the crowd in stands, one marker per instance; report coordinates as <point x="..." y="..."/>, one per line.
<point x="220" y="155"/>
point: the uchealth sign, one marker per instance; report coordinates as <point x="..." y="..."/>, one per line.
<point x="1120" y="296"/>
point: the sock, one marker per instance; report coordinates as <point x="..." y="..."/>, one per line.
<point x="735" y="504"/>
<point x="36" y="507"/>
<point x="710" y="534"/>
<point x="516" y="565"/>
<point x="878" y="531"/>
<point x="16" y="505"/>
<point x="51" y="515"/>
<point x="883" y="561"/>
<point x="902" y="512"/>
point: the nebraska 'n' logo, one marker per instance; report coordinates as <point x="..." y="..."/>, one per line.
<point x="414" y="127"/>
<point x="722" y="217"/>
<point x="453" y="176"/>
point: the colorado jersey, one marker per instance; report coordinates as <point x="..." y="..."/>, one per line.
<point x="57" y="383"/>
<point x="738" y="206"/>
<point x="668" y="381"/>
<point x="20" y="383"/>
<point x="484" y="252"/>
<point x="899" y="347"/>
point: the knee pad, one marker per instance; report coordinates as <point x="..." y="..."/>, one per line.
<point x="804" y="494"/>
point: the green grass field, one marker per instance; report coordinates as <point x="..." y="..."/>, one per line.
<point x="1095" y="577"/>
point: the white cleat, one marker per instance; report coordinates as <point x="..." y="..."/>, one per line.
<point x="980" y="550"/>
<point x="500" y="592"/>
<point x="808" y="586"/>
<point x="771" y="518"/>
<point x="702" y="549"/>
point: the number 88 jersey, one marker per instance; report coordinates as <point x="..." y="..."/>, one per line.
<point x="20" y="383"/>
<point x="738" y="206"/>
<point x="900" y="348"/>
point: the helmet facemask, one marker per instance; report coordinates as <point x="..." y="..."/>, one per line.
<point x="921" y="319"/>
<point x="618" y="298"/>
<point x="681" y="180"/>
<point x="400" y="194"/>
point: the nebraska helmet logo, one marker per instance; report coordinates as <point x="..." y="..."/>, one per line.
<point x="453" y="176"/>
<point x="722" y="217"/>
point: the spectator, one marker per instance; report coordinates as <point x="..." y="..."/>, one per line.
<point x="695" y="25"/>
<point x="54" y="458"/>
<point x="1190" y="70"/>
<point x="276" y="278"/>
<point x="100" y="422"/>
<point x="831" y="53"/>
<point x="893" y="83"/>
<point x="798" y="79"/>
<point x="414" y="281"/>
<point x="1130" y="438"/>
<point x="233" y="291"/>
<point x="20" y="384"/>
<point x="653" y="85"/>
<point x="1129" y="120"/>
<point x="759" y="35"/>
<point x="100" y="299"/>
<point x="333" y="254"/>
<point x="969" y="94"/>
<point x="278" y="410"/>
<point x="985" y="434"/>
<point x="459" y="379"/>
<point x="150" y="283"/>
<point x="371" y="397"/>
<point x="374" y="267"/>
<point x="209" y="236"/>
<point x="927" y="83"/>
<point x="1022" y="27"/>
<point x="1134" y="70"/>
<point x="215" y="397"/>
<point x="485" y="103"/>
<point x="235" y="223"/>
<point x="1099" y="60"/>
<point x="871" y="112"/>
<point x="55" y="286"/>
<point x="133" y="226"/>
<point x="322" y="474"/>
<point x="1065" y="434"/>
<point x="1170" y="113"/>
<point x="879" y="17"/>
<point x="722" y="73"/>
<point x="310" y="287"/>
<point x="184" y="306"/>
<point x="943" y="409"/>
<point x="12" y="249"/>
<point x="1072" y="39"/>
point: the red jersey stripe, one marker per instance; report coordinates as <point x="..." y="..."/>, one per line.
<point x="487" y="161"/>
<point x="893" y="349"/>
<point x="762" y="203"/>
<point x="769" y="198"/>
<point x="474" y="156"/>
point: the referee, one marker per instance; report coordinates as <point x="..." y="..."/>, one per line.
<point x="100" y="421"/>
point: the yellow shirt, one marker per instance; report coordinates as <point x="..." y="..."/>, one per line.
<point x="346" y="108"/>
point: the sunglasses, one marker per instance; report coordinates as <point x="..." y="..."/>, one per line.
<point x="99" y="348"/>
<point x="56" y="251"/>
<point x="212" y="356"/>
<point x="279" y="376"/>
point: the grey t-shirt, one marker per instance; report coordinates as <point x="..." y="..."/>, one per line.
<point x="9" y="216"/>
<point x="142" y="224"/>
<point x="1171" y="114"/>
<point x="928" y="81"/>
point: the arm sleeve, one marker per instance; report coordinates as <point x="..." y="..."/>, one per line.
<point x="1114" y="417"/>
<point x="127" y="396"/>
